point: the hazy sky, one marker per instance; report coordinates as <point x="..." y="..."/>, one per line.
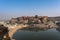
<point x="16" y="8"/>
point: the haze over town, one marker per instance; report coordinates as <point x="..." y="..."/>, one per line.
<point x="16" y="8"/>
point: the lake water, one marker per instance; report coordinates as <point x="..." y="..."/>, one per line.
<point x="51" y="34"/>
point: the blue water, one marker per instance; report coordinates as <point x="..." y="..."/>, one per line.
<point x="51" y="34"/>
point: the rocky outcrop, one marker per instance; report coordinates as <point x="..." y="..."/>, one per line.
<point x="7" y="32"/>
<point x="4" y="33"/>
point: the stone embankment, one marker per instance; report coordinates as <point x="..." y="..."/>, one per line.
<point x="46" y="26"/>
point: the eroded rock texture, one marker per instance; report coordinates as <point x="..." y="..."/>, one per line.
<point x="4" y="33"/>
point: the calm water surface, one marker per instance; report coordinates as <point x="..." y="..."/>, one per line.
<point x="51" y="34"/>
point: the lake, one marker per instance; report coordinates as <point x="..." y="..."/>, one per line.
<point x="51" y="34"/>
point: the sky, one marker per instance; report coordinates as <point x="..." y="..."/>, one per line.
<point x="17" y="8"/>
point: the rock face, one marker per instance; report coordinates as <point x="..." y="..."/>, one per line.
<point x="3" y="30"/>
<point x="4" y="33"/>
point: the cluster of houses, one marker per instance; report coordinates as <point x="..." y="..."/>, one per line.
<point x="34" y="21"/>
<point x="29" y="20"/>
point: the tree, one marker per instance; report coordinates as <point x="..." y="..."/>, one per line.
<point x="36" y="16"/>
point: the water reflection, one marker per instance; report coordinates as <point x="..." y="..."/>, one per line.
<point x="36" y="34"/>
<point x="35" y="29"/>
